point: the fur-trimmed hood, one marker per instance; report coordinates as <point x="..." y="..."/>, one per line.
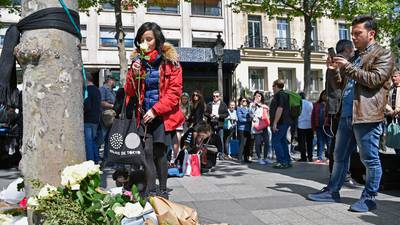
<point x="168" y="51"/>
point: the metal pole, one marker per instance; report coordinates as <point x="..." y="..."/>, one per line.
<point x="220" y="77"/>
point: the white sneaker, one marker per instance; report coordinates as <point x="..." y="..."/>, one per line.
<point x="261" y="162"/>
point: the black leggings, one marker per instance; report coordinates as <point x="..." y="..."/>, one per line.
<point x="244" y="149"/>
<point x="156" y="165"/>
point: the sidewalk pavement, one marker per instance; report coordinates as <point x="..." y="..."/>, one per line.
<point x="253" y="194"/>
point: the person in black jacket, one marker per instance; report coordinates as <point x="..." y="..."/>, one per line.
<point x="197" y="137"/>
<point x="197" y="108"/>
<point x="92" y="112"/>
<point x="216" y="112"/>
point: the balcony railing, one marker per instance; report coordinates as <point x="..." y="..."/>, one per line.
<point x="286" y="44"/>
<point x="263" y="43"/>
<point x="317" y="46"/>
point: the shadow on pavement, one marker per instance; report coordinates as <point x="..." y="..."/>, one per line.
<point x="386" y="212"/>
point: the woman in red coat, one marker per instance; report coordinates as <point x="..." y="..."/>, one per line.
<point x="157" y="82"/>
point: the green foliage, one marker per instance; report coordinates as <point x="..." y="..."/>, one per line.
<point x="290" y="8"/>
<point x="88" y="205"/>
<point x="387" y="13"/>
<point x="21" y="186"/>
<point x="62" y="209"/>
<point x="98" y="4"/>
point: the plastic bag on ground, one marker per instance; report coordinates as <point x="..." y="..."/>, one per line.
<point x="11" y="194"/>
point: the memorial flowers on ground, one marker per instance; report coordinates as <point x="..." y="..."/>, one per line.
<point x="80" y="200"/>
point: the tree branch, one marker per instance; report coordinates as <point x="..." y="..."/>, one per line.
<point x="298" y="9"/>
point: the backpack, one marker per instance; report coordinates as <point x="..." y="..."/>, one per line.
<point x="294" y="104"/>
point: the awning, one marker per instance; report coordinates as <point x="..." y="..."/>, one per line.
<point x="206" y="55"/>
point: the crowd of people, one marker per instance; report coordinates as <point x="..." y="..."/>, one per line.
<point x="350" y="113"/>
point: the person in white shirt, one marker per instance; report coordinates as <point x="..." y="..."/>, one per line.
<point x="258" y="108"/>
<point x="230" y="127"/>
<point x="304" y="130"/>
<point x="216" y="112"/>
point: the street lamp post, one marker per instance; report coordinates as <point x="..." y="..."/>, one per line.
<point x="219" y="53"/>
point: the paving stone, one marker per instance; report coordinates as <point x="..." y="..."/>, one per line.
<point x="226" y="211"/>
<point x="242" y="191"/>
<point x="180" y="194"/>
<point x="212" y="196"/>
<point x="174" y="182"/>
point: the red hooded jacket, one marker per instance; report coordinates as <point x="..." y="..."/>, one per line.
<point x="170" y="89"/>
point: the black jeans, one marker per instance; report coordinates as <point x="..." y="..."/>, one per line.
<point x="244" y="149"/>
<point x="334" y="124"/>
<point x="259" y="139"/>
<point x="156" y="165"/>
<point x="305" y="138"/>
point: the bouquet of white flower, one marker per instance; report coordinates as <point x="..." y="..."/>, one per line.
<point x="82" y="201"/>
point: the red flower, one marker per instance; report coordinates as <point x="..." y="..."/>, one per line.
<point x="23" y="202"/>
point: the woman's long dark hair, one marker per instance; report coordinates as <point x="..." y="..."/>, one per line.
<point x="260" y="93"/>
<point x="158" y="35"/>
<point x="320" y="96"/>
<point x="200" y="102"/>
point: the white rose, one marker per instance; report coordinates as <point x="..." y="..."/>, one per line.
<point x="144" y="46"/>
<point x="119" y="210"/>
<point x="6" y="219"/>
<point x="32" y="202"/>
<point x="47" y="191"/>
<point x="70" y="176"/>
<point x="90" y="167"/>
<point x="133" y="210"/>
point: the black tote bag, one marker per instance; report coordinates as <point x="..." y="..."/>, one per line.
<point x="125" y="144"/>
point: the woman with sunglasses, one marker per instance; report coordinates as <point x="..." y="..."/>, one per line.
<point x="197" y="108"/>
<point x="243" y="127"/>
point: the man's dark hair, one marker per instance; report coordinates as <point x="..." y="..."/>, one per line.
<point x="302" y="95"/>
<point x="369" y="22"/>
<point x="342" y="45"/>
<point x="89" y="77"/>
<point x="202" y="126"/>
<point x="279" y="83"/>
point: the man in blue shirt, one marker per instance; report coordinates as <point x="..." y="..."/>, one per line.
<point x="366" y="80"/>
<point x="107" y="103"/>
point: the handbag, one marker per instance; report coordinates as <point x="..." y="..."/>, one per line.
<point x="393" y="135"/>
<point x="227" y="124"/>
<point x="264" y="121"/>
<point x="195" y="165"/>
<point x="108" y="117"/>
<point x="125" y="144"/>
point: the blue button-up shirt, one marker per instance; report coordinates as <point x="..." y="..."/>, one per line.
<point x="348" y="92"/>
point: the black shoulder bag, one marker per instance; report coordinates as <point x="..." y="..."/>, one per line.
<point x="126" y="146"/>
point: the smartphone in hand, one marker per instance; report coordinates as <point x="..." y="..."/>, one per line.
<point x="331" y="52"/>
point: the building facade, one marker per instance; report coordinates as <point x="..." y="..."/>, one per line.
<point x="273" y="49"/>
<point x="266" y="49"/>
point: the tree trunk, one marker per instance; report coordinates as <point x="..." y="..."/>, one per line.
<point x="307" y="54"/>
<point x="120" y="36"/>
<point x="52" y="99"/>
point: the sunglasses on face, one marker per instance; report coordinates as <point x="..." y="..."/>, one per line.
<point x="196" y="95"/>
<point x="216" y="96"/>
